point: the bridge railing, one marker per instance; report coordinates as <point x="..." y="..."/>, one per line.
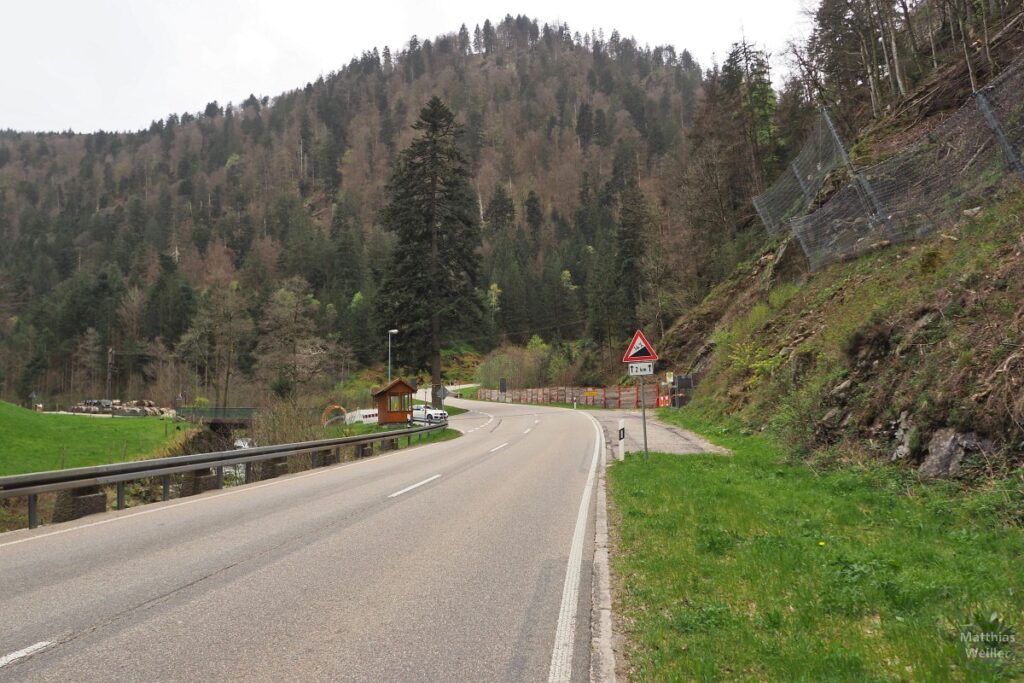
<point x="31" y="485"/>
<point x="216" y="414"/>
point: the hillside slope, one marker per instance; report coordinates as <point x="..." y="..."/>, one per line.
<point x="119" y="233"/>
<point x="906" y="353"/>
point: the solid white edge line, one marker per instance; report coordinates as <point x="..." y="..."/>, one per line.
<point x="602" y="657"/>
<point x="498" y="448"/>
<point x="193" y="500"/>
<point x="410" y="488"/>
<point x="25" y="652"/>
<point x="565" y="632"/>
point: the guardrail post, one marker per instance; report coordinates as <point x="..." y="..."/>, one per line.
<point x="120" y="495"/>
<point x="33" y="510"/>
<point x="166" y="486"/>
<point x="248" y="473"/>
<point x="220" y="478"/>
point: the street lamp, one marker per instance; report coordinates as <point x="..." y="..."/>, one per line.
<point x="390" y="332"/>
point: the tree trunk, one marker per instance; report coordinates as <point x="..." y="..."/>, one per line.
<point x="910" y="27"/>
<point x="967" y="57"/>
<point x="227" y="379"/>
<point x="435" y="335"/>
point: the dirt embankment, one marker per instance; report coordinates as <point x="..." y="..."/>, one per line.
<point x="912" y="353"/>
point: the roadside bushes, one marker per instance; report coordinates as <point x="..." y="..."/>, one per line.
<point x="522" y="367"/>
<point x="540" y="364"/>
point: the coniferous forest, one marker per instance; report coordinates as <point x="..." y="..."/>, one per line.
<point x="244" y="249"/>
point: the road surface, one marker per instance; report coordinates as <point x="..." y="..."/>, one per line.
<point x="661" y="437"/>
<point x="468" y="560"/>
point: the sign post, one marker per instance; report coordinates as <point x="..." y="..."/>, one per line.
<point x="640" y="356"/>
<point x="643" y="414"/>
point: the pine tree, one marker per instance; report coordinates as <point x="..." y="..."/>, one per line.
<point x="584" y="125"/>
<point x="433" y="272"/>
<point x="490" y="37"/>
<point x="534" y="217"/>
<point x="500" y="215"/>
<point x="746" y="77"/>
<point x="630" y="241"/>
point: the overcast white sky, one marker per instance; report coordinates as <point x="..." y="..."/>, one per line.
<point x="119" y="64"/>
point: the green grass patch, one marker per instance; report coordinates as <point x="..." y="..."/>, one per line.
<point x="470" y="393"/>
<point x="754" y="567"/>
<point x="36" y="442"/>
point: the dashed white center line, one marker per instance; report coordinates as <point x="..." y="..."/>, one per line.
<point x="528" y="430"/>
<point x="25" y="652"/>
<point x="489" y="421"/>
<point x="417" y="485"/>
<point x="498" y="448"/>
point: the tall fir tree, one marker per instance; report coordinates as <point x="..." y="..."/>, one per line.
<point x="630" y="246"/>
<point x="430" y="287"/>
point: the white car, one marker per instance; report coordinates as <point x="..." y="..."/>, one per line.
<point x="422" y="413"/>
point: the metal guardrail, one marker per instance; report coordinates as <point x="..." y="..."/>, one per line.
<point x="31" y="485"/>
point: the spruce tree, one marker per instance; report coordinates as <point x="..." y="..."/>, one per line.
<point x="534" y="217"/>
<point x="430" y="287"/>
<point x="630" y="243"/>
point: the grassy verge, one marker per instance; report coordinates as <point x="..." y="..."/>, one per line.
<point x="35" y="442"/>
<point x="470" y="393"/>
<point x="754" y="568"/>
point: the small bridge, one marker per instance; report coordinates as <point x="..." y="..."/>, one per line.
<point x="219" y="417"/>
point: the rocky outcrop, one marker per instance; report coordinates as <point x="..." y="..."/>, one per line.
<point x="905" y="434"/>
<point x="947" y="450"/>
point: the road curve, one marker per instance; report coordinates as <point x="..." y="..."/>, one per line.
<point x="452" y="561"/>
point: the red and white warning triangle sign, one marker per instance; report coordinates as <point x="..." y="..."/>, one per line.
<point x="639" y="350"/>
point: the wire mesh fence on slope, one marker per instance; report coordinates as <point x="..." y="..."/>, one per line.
<point x="799" y="184"/>
<point x="926" y="185"/>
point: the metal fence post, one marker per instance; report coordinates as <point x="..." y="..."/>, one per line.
<point x="1011" y="154"/>
<point x="765" y="215"/>
<point x="874" y="207"/>
<point x="33" y="510"/>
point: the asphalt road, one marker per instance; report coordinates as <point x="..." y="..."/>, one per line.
<point x="468" y="560"/>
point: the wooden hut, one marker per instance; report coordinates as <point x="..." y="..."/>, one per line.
<point x="394" y="402"/>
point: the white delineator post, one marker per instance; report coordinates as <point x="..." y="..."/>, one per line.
<point x="622" y="439"/>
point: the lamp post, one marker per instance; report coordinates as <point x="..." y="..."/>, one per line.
<point x="390" y="332"/>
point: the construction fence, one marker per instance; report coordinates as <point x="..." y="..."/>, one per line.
<point x="676" y="394"/>
<point x="929" y="184"/>
<point x="604" y="397"/>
